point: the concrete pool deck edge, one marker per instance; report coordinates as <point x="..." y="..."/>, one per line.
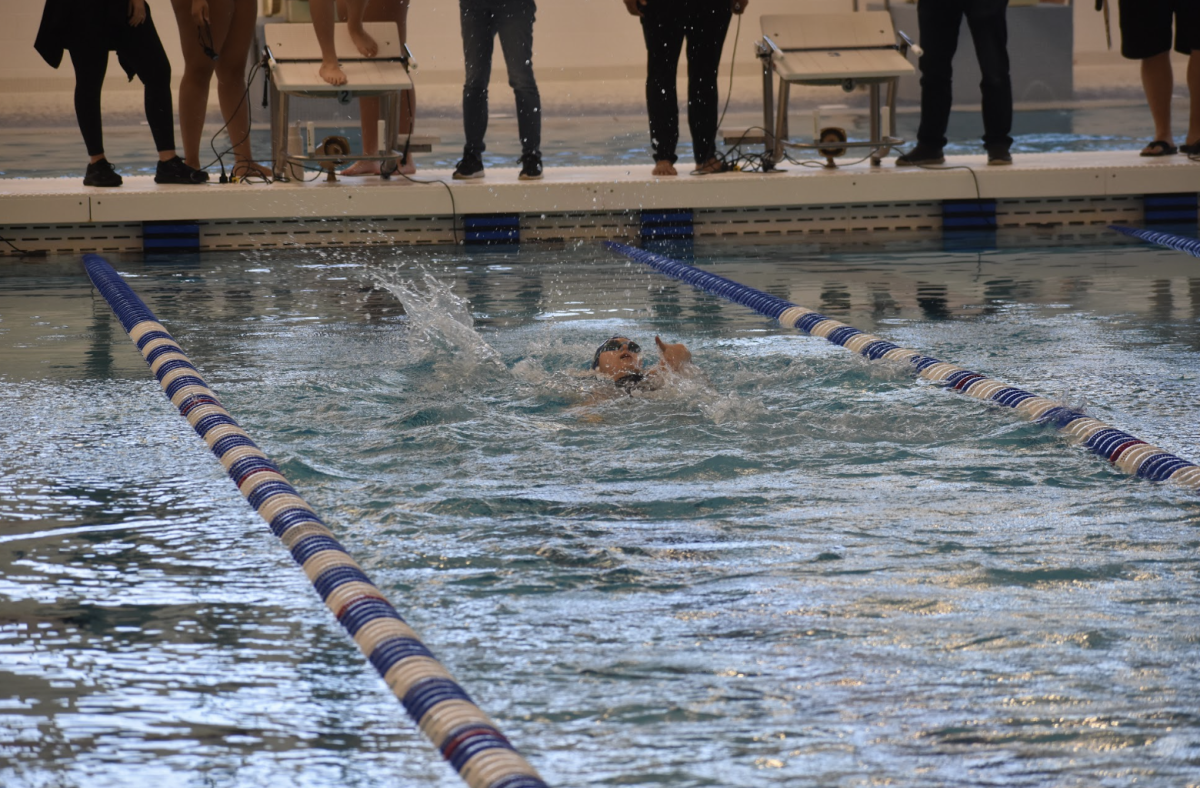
<point x="1042" y="190"/>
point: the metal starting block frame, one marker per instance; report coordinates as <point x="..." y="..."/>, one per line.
<point x="293" y="58"/>
<point x="848" y="50"/>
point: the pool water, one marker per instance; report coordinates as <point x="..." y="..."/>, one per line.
<point x="591" y="140"/>
<point x="792" y="566"/>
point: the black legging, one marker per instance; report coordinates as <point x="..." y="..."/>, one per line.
<point x="665" y="24"/>
<point x="141" y="52"/>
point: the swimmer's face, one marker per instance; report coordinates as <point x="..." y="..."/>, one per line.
<point x="619" y="356"/>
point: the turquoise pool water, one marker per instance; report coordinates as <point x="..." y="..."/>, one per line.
<point x="795" y="567"/>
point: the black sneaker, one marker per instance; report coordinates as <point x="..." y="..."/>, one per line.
<point x="176" y="171"/>
<point x="531" y="167"/>
<point x="999" y="156"/>
<point x="921" y="157"/>
<point x="470" y="167"/>
<point x="101" y="173"/>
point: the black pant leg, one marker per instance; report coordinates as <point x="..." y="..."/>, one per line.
<point x="705" y="39"/>
<point x="938" y="22"/>
<point x="988" y="22"/>
<point x="142" y="51"/>
<point x="478" y="20"/>
<point x="90" y="67"/>
<point x="663" y="30"/>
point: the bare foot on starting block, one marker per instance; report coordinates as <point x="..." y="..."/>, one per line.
<point x="664" y="167"/>
<point x="362" y="168"/>
<point x="332" y="73"/>
<point x="252" y="169"/>
<point x="362" y="40"/>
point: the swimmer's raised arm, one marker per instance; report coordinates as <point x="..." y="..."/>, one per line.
<point x="674" y="355"/>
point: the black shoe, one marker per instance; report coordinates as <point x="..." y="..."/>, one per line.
<point x="470" y="167"/>
<point x="101" y="173"/>
<point x="531" y="167"/>
<point x="176" y="171"/>
<point x="921" y="157"/>
<point x="999" y="156"/>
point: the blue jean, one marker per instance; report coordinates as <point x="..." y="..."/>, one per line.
<point x="512" y="20"/>
<point x="939" y="21"/>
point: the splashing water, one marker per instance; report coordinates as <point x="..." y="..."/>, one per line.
<point x="438" y="320"/>
<point x="441" y="328"/>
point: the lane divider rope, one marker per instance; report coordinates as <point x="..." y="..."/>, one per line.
<point x="1132" y="455"/>
<point x="1178" y="242"/>
<point x="464" y="735"/>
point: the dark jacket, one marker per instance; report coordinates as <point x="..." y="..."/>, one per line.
<point x="87" y="24"/>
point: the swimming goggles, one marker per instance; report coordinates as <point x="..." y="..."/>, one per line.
<point x="616" y="343"/>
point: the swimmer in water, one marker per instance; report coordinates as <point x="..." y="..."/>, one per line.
<point x="621" y="360"/>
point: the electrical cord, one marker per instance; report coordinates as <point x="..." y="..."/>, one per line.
<point x="412" y="125"/>
<point x="219" y="155"/>
<point x="24" y="252"/>
<point x="974" y="178"/>
<point x="735" y="159"/>
<point x="449" y="191"/>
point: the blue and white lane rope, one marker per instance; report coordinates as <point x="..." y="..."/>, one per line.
<point x="1178" y="242"/>
<point x="1132" y="455"/>
<point x="464" y="735"/>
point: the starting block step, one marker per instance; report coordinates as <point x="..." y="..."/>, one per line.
<point x="418" y="143"/>
<point x="744" y="137"/>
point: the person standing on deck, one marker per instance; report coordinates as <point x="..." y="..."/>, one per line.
<point x="89" y="30"/>
<point x="665" y="25"/>
<point x="215" y="37"/>
<point x="1146" y="36"/>
<point x="938" y="22"/>
<point x="511" y="20"/>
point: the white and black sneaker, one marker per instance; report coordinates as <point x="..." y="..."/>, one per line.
<point x="531" y="167"/>
<point x="471" y="166"/>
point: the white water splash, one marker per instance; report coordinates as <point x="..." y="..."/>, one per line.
<point x="438" y="320"/>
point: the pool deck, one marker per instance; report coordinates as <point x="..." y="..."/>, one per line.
<point x="1043" y="190"/>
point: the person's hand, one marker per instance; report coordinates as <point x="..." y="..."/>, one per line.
<point x="137" y="12"/>
<point x="634" y="6"/>
<point x="200" y="12"/>
<point x="738" y="6"/>
<point x="674" y="355"/>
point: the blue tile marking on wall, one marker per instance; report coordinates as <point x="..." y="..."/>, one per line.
<point x="1171" y="208"/>
<point x="672" y="224"/>
<point x="170" y="236"/>
<point x="494" y="228"/>
<point x="968" y="215"/>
